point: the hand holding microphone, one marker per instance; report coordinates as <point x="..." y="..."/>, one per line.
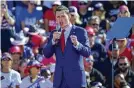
<point x="56" y="36"/>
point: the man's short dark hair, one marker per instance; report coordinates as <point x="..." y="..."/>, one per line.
<point x="62" y="8"/>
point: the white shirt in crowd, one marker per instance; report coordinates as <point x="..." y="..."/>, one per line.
<point x="26" y="83"/>
<point x="48" y="84"/>
<point x="10" y="79"/>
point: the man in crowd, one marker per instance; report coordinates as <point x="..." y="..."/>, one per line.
<point x="110" y="64"/>
<point x="94" y="74"/>
<point x="124" y="68"/>
<point x="73" y="41"/>
<point x="49" y="17"/>
<point x="97" y="50"/>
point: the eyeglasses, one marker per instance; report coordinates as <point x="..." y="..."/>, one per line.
<point x="122" y="64"/>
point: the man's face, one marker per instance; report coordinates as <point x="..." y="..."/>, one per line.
<point x="123" y="65"/>
<point x="62" y="18"/>
<point x="82" y="5"/>
<point x="7" y="63"/>
<point x="95" y="24"/>
<point x="16" y="61"/>
<point x="88" y="64"/>
<point x="54" y="6"/>
<point x="115" y="54"/>
<point x="91" y="38"/>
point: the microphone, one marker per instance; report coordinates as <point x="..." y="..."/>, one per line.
<point x="57" y="30"/>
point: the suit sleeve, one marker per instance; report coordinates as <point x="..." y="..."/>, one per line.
<point x="83" y="47"/>
<point x="48" y="49"/>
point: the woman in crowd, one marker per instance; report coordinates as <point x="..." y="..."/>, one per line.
<point x="9" y="77"/>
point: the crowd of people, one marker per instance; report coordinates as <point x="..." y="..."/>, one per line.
<point x="26" y="28"/>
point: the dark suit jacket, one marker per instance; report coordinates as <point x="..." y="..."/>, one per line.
<point x="70" y="63"/>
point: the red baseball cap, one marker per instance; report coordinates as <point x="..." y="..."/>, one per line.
<point x="90" y="30"/>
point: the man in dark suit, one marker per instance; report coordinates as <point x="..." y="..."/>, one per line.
<point x="69" y="44"/>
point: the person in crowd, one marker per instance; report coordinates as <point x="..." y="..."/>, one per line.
<point x="7" y="22"/>
<point x="97" y="49"/>
<point x="33" y="80"/>
<point x="49" y="81"/>
<point x="21" y="41"/>
<point x="94" y="74"/>
<point x="100" y="12"/>
<point x="23" y="68"/>
<point x="49" y="17"/>
<point x="123" y="11"/>
<point x="120" y="82"/>
<point x="75" y="19"/>
<point x="36" y="40"/>
<point x="124" y="50"/>
<point x="16" y="53"/>
<point x="31" y="16"/>
<point x="124" y="68"/>
<point x="83" y="12"/>
<point x="112" y="17"/>
<point x="9" y="77"/>
<point x="94" y="22"/>
<point x="101" y="37"/>
<point x="74" y="42"/>
<point x="110" y="64"/>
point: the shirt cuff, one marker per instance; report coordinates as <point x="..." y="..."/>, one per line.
<point x="77" y="46"/>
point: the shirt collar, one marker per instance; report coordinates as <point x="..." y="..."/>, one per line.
<point x="68" y="28"/>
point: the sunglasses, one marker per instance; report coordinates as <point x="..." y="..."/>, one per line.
<point x="122" y="64"/>
<point x="55" y="5"/>
<point x="15" y="53"/>
<point x="89" y="60"/>
<point x="6" y="59"/>
<point x="94" y="24"/>
<point x="120" y="40"/>
<point x="82" y="3"/>
<point x="72" y="15"/>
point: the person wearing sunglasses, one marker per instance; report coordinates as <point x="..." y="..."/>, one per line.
<point x="83" y="12"/>
<point x="94" y="22"/>
<point x="16" y="53"/>
<point x="9" y="77"/>
<point x="94" y="74"/>
<point x="124" y="68"/>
